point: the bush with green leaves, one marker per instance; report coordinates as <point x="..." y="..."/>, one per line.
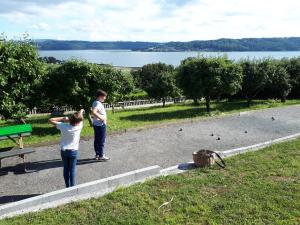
<point x="265" y="78"/>
<point x="20" y="76"/>
<point x="293" y="69"/>
<point x="279" y="82"/>
<point x="209" y="77"/>
<point x="255" y="78"/>
<point x="158" y="80"/>
<point x="75" y="83"/>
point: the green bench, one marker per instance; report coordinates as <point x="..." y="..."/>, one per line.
<point x="16" y="134"/>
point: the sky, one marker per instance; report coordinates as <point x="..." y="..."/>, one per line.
<point x="149" y="20"/>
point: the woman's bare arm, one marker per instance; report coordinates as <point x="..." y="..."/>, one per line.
<point x="56" y="120"/>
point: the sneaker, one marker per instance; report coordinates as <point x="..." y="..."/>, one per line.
<point x="97" y="157"/>
<point x="103" y="158"/>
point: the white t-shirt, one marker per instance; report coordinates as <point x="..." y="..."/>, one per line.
<point x="70" y="135"/>
<point x="101" y="110"/>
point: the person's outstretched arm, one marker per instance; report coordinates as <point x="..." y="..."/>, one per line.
<point x="81" y="111"/>
<point x="56" y="120"/>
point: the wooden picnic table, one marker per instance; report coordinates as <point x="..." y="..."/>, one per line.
<point x="16" y="134"/>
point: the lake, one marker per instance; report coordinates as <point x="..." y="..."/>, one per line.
<point x="138" y="59"/>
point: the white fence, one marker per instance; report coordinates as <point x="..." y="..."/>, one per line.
<point x="123" y="105"/>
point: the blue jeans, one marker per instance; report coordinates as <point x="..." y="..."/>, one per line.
<point x="99" y="139"/>
<point x="69" y="159"/>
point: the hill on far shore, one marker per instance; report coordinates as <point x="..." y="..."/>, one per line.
<point x="245" y="44"/>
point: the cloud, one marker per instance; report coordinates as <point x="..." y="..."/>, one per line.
<point x="41" y="26"/>
<point x="150" y="20"/>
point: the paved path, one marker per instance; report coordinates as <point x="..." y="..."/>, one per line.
<point x="164" y="146"/>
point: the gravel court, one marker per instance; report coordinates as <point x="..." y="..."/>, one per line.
<point x="166" y="146"/>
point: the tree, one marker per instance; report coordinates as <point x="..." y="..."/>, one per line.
<point x="69" y="84"/>
<point x="118" y="83"/>
<point x="20" y="74"/>
<point x="293" y="68"/>
<point x="75" y="83"/>
<point x="158" y="80"/>
<point x="164" y="85"/>
<point x="50" y="60"/>
<point x="279" y="83"/>
<point x="186" y="79"/>
<point x="255" y="77"/>
<point x="209" y="78"/>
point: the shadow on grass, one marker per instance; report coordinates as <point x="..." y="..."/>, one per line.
<point x="44" y="131"/>
<point x="196" y="111"/>
<point x="160" y="116"/>
<point x="231" y="106"/>
<point x="186" y="113"/>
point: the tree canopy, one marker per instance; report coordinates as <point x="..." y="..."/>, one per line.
<point x="158" y="80"/>
<point x="209" y="78"/>
<point x="75" y="83"/>
<point x="20" y="75"/>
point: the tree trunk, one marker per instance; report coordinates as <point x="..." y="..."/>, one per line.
<point x="196" y="102"/>
<point x="164" y="102"/>
<point x="249" y="103"/>
<point x="207" y="103"/>
<point x="22" y="120"/>
<point x="113" y="107"/>
<point x="90" y="119"/>
<point x="283" y="99"/>
<point x="230" y="99"/>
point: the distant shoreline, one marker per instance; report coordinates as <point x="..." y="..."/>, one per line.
<point x="129" y="50"/>
<point x="127" y="58"/>
<point x="220" y="45"/>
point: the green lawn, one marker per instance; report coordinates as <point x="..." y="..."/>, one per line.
<point x="260" y="187"/>
<point x="44" y="133"/>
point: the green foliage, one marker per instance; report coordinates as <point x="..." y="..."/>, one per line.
<point x="20" y="76"/>
<point x="186" y="79"/>
<point x="149" y="72"/>
<point x="265" y="78"/>
<point x="209" y="78"/>
<point x="118" y="83"/>
<point x="158" y="80"/>
<point x="293" y="68"/>
<point x="137" y="94"/>
<point x="255" y="78"/>
<point x="75" y="83"/>
<point x="165" y="85"/>
<point x="279" y="81"/>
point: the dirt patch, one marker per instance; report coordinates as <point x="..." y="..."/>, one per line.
<point x="220" y="190"/>
<point x="282" y="178"/>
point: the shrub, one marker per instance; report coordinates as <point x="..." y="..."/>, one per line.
<point x="209" y="78"/>
<point x="20" y="76"/>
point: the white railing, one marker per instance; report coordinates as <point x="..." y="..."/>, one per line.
<point x="123" y="105"/>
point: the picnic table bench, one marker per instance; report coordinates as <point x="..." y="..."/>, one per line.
<point x="16" y="132"/>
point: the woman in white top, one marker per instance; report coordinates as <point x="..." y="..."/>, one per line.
<point x="70" y="129"/>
